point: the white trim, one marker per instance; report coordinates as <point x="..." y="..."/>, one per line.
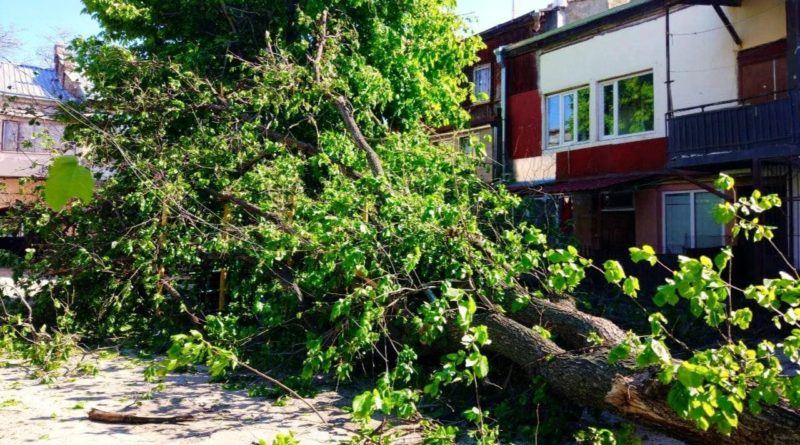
<point x="692" y="220"/>
<point x="576" y="119"/>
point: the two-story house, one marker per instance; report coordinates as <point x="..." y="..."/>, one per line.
<point x="30" y="96"/>
<point x="643" y="104"/>
<point x="485" y="109"/>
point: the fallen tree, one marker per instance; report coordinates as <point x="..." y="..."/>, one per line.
<point x="283" y="196"/>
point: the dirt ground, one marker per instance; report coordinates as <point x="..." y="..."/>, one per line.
<point x="57" y="413"/>
<point x="31" y="412"/>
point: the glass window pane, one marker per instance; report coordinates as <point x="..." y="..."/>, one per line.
<point x="54" y="134"/>
<point x="553" y="121"/>
<point x="482" y="78"/>
<point x="10" y="135"/>
<point x="608" y="110"/>
<point x="677" y="221"/>
<point x="569" y="117"/>
<point x="636" y="112"/>
<point x="707" y="232"/>
<point x="583" y="114"/>
<point x="464" y="144"/>
<point x="29" y="135"/>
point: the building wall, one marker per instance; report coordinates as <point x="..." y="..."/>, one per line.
<point x="641" y="48"/>
<point x="759" y="21"/>
<point x="11" y="191"/>
<point x="16" y="164"/>
<point x="637" y="156"/>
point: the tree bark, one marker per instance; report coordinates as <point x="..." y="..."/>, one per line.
<point x="570" y="326"/>
<point x="589" y="380"/>
<point x="346" y="112"/>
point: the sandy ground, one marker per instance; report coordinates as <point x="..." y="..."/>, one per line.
<point x="56" y="413"/>
<point x="31" y="412"/>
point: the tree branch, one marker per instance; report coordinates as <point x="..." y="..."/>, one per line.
<point x="346" y="112"/>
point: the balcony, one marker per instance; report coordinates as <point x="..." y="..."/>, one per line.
<point x="729" y="132"/>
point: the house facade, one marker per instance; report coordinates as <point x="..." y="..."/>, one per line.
<point x="642" y="105"/>
<point x="505" y="119"/>
<point x="29" y="134"/>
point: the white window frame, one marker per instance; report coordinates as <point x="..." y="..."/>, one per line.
<point x="475" y="92"/>
<point x="546" y="115"/>
<point x="601" y="110"/>
<point x="692" y="228"/>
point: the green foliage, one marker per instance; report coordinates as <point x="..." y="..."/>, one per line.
<point x="285" y="439"/>
<point x="624" y="435"/>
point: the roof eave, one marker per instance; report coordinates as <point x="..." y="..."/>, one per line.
<point x="614" y="16"/>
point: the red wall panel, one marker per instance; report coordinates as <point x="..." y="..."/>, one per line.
<point x="631" y="157"/>
<point x="524" y="125"/>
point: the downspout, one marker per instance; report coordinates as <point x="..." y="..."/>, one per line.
<point x="503" y="131"/>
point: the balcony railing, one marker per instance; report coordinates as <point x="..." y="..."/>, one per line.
<point x="731" y="131"/>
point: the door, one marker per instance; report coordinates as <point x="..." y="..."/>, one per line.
<point x="763" y="73"/>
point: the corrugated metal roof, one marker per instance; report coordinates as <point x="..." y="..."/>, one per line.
<point x="32" y="82"/>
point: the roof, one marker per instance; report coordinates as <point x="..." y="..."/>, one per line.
<point x="522" y="20"/>
<point x="592" y="23"/>
<point x="31" y="82"/>
<point x="580" y="185"/>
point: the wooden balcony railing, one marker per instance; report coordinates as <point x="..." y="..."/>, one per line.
<point x="733" y="131"/>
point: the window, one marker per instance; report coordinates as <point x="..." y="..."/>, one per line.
<point x="482" y="77"/>
<point x="475" y="144"/>
<point x="30" y="137"/>
<point x="568" y="117"/>
<point x="628" y="106"/>
<point x="688" y="222"/>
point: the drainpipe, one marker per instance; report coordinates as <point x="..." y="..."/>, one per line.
<point x="502" y="146"/>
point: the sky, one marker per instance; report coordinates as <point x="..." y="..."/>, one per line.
<point x="38" y="24"/>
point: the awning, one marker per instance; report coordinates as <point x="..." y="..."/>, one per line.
<point x="580" y="185"/>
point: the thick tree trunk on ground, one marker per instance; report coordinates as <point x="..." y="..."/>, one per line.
<point x="589" y="380"/>
<point x="570" y="326"/>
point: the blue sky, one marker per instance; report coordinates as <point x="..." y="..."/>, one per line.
<point x="39" y="23"/>
<point x="487" y="13"/>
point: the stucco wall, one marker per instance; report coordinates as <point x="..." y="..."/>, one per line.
<point x="11" y="191"/>
<point x="22" y="164"/>
<point x="703" y="66"/>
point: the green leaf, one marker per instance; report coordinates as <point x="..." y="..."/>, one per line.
<point x="66" y="179"/>
<point x="724" y="182"/>
<point x="613" y="271"/>
<point x="619" y="353"/>
<point x="690" y="375"/>
<point x="631" y="287"/>
<point x="742" y="318"/>
<point x="646" y="253"/>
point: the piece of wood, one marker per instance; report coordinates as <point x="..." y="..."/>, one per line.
<point x="97" y="415"/>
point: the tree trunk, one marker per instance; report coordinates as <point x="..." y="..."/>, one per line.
<point x="589" y="380"/>
<point x="570" y="326"/>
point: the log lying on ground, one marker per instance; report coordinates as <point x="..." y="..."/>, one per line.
<point x="589" y="380"/>
<point x="97" y="415"/>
